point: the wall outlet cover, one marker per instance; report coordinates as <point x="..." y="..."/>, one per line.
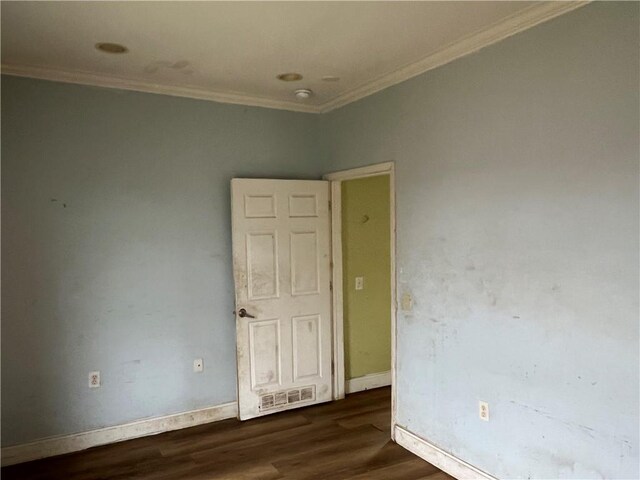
<point x="483" y="410"/>
<point x="359" y="283"/>
<point x="94" y="379"/>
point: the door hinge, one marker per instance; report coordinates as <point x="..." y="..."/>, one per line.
<point x="333" y="368"/>
<point x="330" y="285"/>
<point x="329" y="205"/>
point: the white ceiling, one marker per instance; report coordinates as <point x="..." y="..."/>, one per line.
<point x="232" y="51"/>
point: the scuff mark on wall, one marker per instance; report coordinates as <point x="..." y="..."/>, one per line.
<point x="572" y="425"/>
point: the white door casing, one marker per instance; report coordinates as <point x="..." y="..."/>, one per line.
<point x="281" y="265"/>
<point x="336" y="178"/>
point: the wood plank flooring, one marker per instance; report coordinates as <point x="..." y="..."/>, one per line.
<point x="348" y="439"/>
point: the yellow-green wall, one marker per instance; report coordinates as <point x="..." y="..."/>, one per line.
<point x="365" y="250"/>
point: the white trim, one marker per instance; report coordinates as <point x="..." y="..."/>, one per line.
<point x="98" y="80"/>
<point x="436" y="456"/>
<point x="51" y="446"/>
<point x="337" y="293"/>
<point x="387" y="168"/>
<point x="538" y="13"/>
<point x="367" y="382"/>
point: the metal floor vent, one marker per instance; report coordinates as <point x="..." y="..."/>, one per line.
<point x="287" y="397"/>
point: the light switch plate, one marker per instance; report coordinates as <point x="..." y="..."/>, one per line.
<point x="359" y="283"/>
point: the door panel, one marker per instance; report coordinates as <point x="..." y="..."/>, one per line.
<point x="307" y="358"/>
<point x="304" y="263"/>
<point x="262" y="265"/>
<point x="264" y="356"/>
<point x="281" y="259"/>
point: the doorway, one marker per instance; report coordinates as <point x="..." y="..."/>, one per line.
<point x="363" y="261"/>
<point x="315" y="291"/>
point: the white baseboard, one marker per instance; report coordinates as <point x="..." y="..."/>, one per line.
<point x="436" y="456"/>
<point x="368" y="382"/>
<point x="51" y="446"/>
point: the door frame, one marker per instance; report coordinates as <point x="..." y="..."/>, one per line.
<point x="335" y="179"/>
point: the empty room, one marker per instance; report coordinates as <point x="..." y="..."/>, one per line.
<point x="320" y="240"/>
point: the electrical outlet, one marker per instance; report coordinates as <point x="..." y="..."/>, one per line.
<point x="483" y="410"/>
<point x="198" y="365"/>
<point x="359" y="283"/>
<point x="94" y="379"/>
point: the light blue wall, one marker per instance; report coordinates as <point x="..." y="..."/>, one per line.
<point x="517" y="228"/>
<point x="116" y="251"/>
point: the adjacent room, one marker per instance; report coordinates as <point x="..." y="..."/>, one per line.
<point x="320" y="240"/>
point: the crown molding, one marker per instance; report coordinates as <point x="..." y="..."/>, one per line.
<point x="97" y="80"/>
<point x="520" y="21"/>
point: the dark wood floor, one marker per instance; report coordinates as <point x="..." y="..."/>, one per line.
<point x="348" y="439"/>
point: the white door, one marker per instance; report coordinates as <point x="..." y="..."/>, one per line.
<point x="281" y="267"/>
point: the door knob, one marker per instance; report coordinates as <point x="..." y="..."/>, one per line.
<point x="242" y="313"/>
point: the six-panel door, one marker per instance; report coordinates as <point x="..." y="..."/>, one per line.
<point x="281" y="261"/>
